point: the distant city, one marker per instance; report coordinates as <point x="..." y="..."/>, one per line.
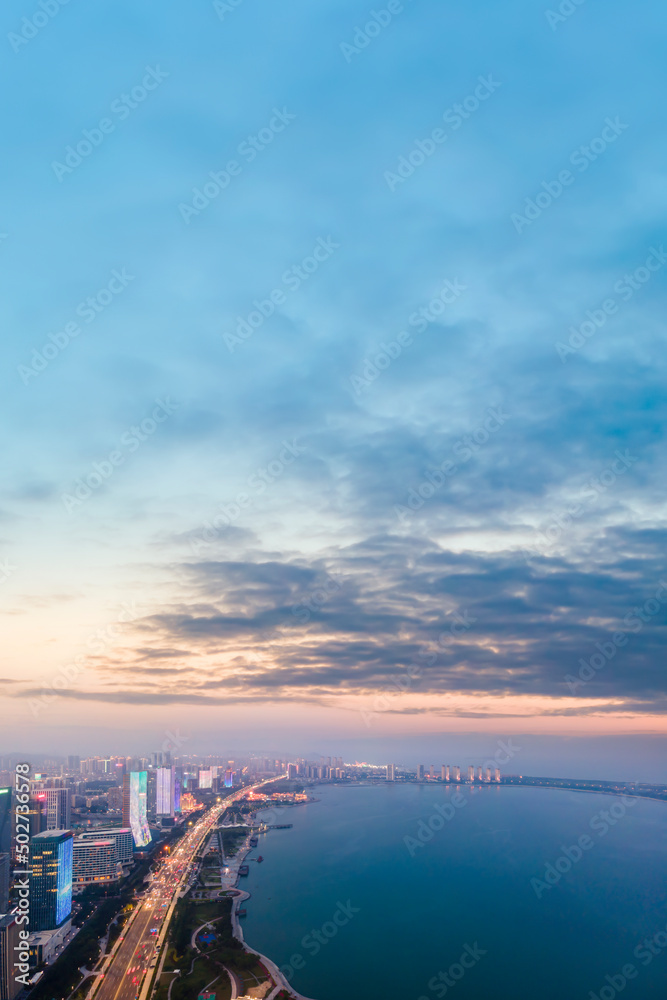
<point x="77" y="830"/>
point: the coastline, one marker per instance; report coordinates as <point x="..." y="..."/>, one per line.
<point x="242" y="894"/>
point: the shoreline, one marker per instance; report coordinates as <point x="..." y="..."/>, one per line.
<point x="237" y="931"/>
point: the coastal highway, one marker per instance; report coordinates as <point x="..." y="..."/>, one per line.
<point x="136" y="949"/>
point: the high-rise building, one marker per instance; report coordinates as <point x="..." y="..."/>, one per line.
<point x="37" y="815"/>
<point x="134" y="807"/>
<point x="497" y="774"/>
<point x="55" y="803"/>
<point x="391" y="772"/>
<point x="471" y="772"/>
<point x="444" y="772"/>
<point x="115" y="798"/>
<point x="151" y="792"/>
<point x="479" y="773"/>
<point x="165" y="779"/>
<point x="5" y="865"/>
<point x="51" y="879"/>
<point x="5" y="820"/>
<point x="229" y="779"/>
<point x="10" y="949"/>
<point x="205" y="777"/>
<point x="291" y="771"/>
<point x="457" y="772"/>
<point x="121" y="836"/>
<point x="488" y="774"/>
<point x="74" y="764"/>
<point x="94" y="860"/>
<point x="177" y="795"/>
<point x="420" y="772"/>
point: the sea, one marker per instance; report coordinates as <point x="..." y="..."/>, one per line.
<point x="419" y="891"/>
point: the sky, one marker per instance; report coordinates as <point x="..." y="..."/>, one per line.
<point x="334" y="372"/>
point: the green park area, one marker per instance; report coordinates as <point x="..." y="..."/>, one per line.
<point x="232" y="838"/>
<point x="204" y="967"/>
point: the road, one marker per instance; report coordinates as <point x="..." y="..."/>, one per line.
<point x="136" y="951"/>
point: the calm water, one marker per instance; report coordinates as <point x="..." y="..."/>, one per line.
<point x="412" y="915"/>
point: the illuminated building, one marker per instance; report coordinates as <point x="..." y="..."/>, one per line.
<point x="94" y="860"/>
<point x="121" y="836"/>
<point x="51" y="879"/>
<point x="205" y="778"/>
<point x="134" y="806"/>
<point x="391" y="772"/>
<point x="420" y="772"/>
<point x="165" y="791"/>
<point x="471" y="773"/>
<point x="229" y="779"/>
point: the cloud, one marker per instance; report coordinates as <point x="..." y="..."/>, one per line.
<point x="355" y="622"/>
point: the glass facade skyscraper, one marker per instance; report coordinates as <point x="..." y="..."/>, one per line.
<point x="51" y="879"/>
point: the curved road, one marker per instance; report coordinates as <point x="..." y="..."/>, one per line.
<point x="124" y="972"/>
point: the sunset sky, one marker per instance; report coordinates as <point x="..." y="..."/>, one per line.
<point x="354" y="466"/>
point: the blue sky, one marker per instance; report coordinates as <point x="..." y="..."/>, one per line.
<point x="211" y="558"/>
